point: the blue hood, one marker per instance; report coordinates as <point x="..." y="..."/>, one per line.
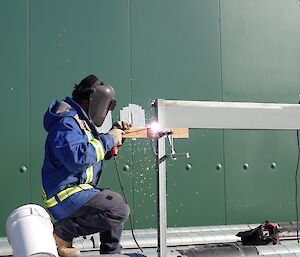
<point x="57" y="110"/>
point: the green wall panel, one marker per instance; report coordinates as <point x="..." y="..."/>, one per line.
<point x="14" y="185"/>
<point x="175" y="55"/>
<point x="260" y="192"/>
<point x="227" y="50"/>
<point x="261" y="59"/>
<point x="196" y="196"/>
<point x="68" y="41"/>
<point x="143" y="184"/>
<point x="260" y="50"/>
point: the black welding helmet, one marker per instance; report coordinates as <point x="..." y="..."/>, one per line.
<point x="102" y="100"/>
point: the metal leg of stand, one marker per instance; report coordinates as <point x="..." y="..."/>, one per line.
<point x="161" y="186"/>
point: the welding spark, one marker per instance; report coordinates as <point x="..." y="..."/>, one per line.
<point x="155" y="127"/>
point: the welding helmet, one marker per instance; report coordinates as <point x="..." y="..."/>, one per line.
<point x="102" y="100"/>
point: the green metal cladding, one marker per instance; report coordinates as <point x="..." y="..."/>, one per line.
<point x="219" y="50"/>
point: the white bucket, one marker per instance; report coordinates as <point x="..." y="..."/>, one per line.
<point x="30" y="232"/>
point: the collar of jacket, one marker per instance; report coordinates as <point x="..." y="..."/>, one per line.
<point x="77" y="107"/>
<point x="82" y="115"/>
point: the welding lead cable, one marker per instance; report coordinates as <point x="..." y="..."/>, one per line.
<point x="296" y="184"/>
<point x="296" y="187"/>
<point x="125" y="198"/>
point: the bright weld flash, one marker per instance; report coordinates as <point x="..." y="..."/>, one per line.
<point x="154" y="127"/>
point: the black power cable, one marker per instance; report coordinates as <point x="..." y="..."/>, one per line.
<point x="296" y="186"/>
<point x="296" y="183"/>
<point x="125" y="198"/>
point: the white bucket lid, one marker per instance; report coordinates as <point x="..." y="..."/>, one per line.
<point x="28" y="210"/>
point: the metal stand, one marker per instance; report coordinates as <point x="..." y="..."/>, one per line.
<point x="159" y="148"/>
<point x="211" y="115"/>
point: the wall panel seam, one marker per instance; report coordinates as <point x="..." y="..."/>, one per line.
<point x="131" y="99"/>
<point x="29" y="100"/>
<point x="222" y="99"/>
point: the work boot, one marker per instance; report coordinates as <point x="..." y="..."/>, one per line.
<point x="65" y="248"/>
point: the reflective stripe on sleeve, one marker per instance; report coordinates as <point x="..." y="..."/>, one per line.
<point x="99" y="149"/>
<point x="89" y="175"/>
<point x="96" y="144"/>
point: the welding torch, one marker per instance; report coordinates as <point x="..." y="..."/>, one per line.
<point x="123" y="126"/>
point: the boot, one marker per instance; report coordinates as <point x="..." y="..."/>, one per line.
<point x="65" y="248"/>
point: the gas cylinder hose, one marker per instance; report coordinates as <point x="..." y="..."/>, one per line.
<point x="125" y="198"/>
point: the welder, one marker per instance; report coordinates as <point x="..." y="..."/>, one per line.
<point x="74" y="156"/>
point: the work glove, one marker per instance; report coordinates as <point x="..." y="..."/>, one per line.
<point x="117" y="136"/>
<point x="121" y="125"/>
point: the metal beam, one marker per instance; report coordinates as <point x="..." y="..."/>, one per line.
<point x="231" y="115"/>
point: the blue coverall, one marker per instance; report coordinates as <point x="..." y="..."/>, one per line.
<point x="74" y="156"/>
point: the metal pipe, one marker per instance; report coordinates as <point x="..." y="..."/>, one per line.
<point x="232" y="250"/>
<point x="173" y="239"/>
<point x="278" y="255"/>
<point x="147" y="253"/>
<point x="278" y="249"/>
<point x="182" y="236"/>
<point x="5" y="249"/>
<point x="176" y="236"/>
<point x="237" y="227"/>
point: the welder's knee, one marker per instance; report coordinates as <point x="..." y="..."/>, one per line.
<point x="112" y="194"/>
<point x="117" y="196"/>
<point x="123" y="212"/>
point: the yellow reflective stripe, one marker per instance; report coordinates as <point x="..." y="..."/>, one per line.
<point x="100" y="148"/>
<point x="89" y="134"/>
<point x="44" y="194"/>
<point x="62" y="195"/>
<point x="81" y="186"/>
<point x="89" y="170"/>
<point x="97" y="145"/>
<point x="50" y="202"/>
<point x="89" y="175"/>
<point x="51" y="205"/>
<point x="97" y="150"/>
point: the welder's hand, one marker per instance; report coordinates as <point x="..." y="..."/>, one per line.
<point x="121" y="125"/>
<point x="117" y="136"/>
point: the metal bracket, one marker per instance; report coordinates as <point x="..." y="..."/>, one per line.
<point x="173" y="155"/>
